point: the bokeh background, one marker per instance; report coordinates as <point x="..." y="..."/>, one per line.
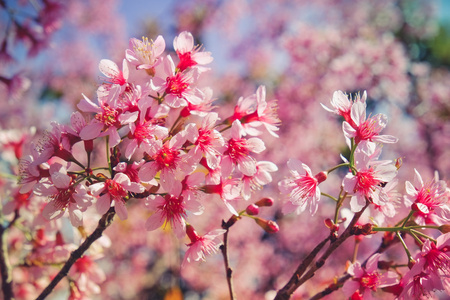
<point x="302" y="51"/>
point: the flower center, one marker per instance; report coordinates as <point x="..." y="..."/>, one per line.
<point x="166" y="157"/>
<point x="108" y="116"/>
<point x="142" y="132"/>
<point x="176" y="85"/>
<point x="115" y="190"/>
<point x="237" y="148"/>
<point x="369" y="280"/>
<point x="366" y="182"/>
<point x="185" y="61"/>
<point x="366" y="131"/>
<point x="173" y="208"/>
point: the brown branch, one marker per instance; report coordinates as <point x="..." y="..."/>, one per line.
<point x="104" y="222"/>
<point x="224" y="249"/>
<point x="385" y="244"/>
<point x="286" y="292"/>
<point x="5" y="268"/>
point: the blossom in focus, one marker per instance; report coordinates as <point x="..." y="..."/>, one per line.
<point x="200" y="246"/>
<point x="171" y="210"/>
<point x="367" y="279"/>
<point x="343" y="105"/>
<point x="145" y="54"/>
<point x="238" y="150"/>
<point x="429" y="200"/>
<point x="64" y="194"/>
<point x="190" y="56"/>
<point x="116" y="190"/>
<point x="366" y="129"/>
<point x="302" y="188"/>
<point x="365" y="184"/>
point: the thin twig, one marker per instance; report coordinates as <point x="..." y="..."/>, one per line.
<point x="286" y="292"/>
<point x="104" y="222"/>
<point x="224" y="249"/>
<point x="5" y="267"/>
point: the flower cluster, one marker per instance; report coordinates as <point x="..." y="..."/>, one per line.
<point x="166" y="147"/>
<point x="370" y="187"/>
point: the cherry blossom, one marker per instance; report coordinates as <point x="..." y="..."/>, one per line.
<point x="302" y="188"/>
<point x="200" y="246"/>
<point x="366" y="129"/>
<point x="367" y="279"/>
<point x="429" y="200"/>
<point x="365" y="183"/>
<point x="190" y="56"/>
<point x="145" y="54"/>
<point x="171" y="210"/>
<point x="116" y="190"/>
<point x="64" y="194"/>
<point x="238" y="150"/>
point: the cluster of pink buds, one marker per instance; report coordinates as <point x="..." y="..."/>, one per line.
<point x="166" y="147"/>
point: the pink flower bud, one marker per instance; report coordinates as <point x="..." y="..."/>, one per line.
<point x="192" y="234"/>
<point x="269" y="226"/>
<point x="264" y="202"/>
<point x="321" y="177"/>
<point x="329" y="223"/>
<point x="89" y="146"/>
<point x="252" y="210"/>
<point x="444" y="228"/>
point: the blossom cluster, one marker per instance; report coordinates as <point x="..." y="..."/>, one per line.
<point x="165" y="146"/>
<point x="371" y="183"/>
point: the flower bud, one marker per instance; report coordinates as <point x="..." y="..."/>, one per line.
<point x="191" y="233"/>
<point x="444" y="228"/>
<point x="398" y="162"/>
<point x="252" y="210"/>
<point x="89" y="146"/>
<point x="264" y="202"/>
<point x="329" y="223"/>
<point x="321" y="177"/>
<point x="269" y="226"/>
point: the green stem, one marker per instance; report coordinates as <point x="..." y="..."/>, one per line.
<point x="395" y="229"/>
<point x="404" y="246"/>
<point x="329" y="196"/>
<point x="338" y="166"/>
<point x="407" y="218"/>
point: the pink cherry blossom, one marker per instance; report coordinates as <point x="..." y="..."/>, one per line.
<point x="190" y="56"/>
<point x="367" y="279"/>
<point x="366" y="129"/>
<point x="87" y="275"/>
<point x="302" y="189"/>
<point x="116" y="190"/>
<point x="365" y="184"/>
<point x="145" y="54"/>
<point x="200" y="246"/>
<point x="114" y="76"/>
<point x="107" y="121"/>
<point x="170" y="160"/>
<point x="178" y="87"/>
<point x="264" y="115"/>
<point x="429" y="200"/>
<point x="206" y="139"/>
<point x="228" y="190"/>
<point x="64" y="194"/>
<point x="238" y="150"/>
<point x="259" y="179"/>
<point x="343" y="105"/>
<point x="171" y="210"/>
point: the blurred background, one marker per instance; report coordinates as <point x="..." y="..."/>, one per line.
<point x="302" y="51"/>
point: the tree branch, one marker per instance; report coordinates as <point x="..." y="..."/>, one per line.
<point x="296" y="280"/>
<point x="104" y="222"/>
<point x="5" y="268"/>
<point x="224" y="249"/>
